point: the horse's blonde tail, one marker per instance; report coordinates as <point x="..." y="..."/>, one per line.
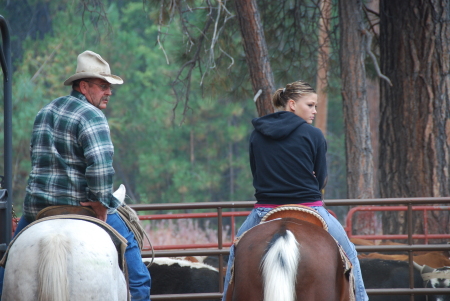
<point x="53" y="280"/>
<point x="279" y="268"/>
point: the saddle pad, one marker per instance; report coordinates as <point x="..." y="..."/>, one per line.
<point x="300" y="212"/>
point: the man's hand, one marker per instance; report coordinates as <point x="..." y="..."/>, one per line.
<point x="99" y="209"/>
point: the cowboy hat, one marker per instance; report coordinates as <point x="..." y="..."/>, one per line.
<point x="92" y="65"/>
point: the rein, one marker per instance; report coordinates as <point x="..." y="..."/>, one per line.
<point x="130" y="218"/>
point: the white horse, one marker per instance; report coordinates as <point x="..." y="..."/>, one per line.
<point x="77" y="261"/>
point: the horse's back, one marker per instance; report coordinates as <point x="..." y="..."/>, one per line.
<point x="318" y="259"/>
<point x="65" y="254"/>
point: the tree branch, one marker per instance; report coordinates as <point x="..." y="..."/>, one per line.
<point x="95" y="7"/>
<point x="187" y="79"/>
<point x="374" y="59"/>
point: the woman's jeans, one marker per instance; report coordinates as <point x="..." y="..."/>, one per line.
<point x="139" y="277"/>
<point x="334" y="228"/>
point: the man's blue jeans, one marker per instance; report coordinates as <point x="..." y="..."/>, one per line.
<point x="139" y="277"/>
<point x="334" y="228"/>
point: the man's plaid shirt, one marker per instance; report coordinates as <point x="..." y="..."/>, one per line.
<point x="71" y="156"/>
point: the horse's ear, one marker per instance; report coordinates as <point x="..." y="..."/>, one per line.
<point x="120" y="193"/>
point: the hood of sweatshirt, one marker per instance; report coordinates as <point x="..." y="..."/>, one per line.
<point x="278" y="125"/>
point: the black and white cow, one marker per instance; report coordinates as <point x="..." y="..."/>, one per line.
<point x="435" y="278"/>
<point x="213" y="260"/>
<point x="177" y="276"/>
<point x="380" y="273"/>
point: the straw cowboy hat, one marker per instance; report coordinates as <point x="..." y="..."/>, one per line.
<point x="92" y="65"/>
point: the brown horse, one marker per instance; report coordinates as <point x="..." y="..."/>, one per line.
<point x="288" y="259"/>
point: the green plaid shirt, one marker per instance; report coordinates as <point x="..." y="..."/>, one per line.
<point x="71" y="156"/>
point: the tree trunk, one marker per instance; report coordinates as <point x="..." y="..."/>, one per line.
<point x="256" y="54"/>
<point x="323" y="66"/>
<point x="415" y="129"/>
<point x="355" y="106"/>
<point x="415" y="125"/>
<point x="373" y="97"/>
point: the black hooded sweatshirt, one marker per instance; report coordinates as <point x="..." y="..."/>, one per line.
<point x="284" y="152"/>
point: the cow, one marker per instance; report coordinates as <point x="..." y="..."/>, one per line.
<point x="435" y="278"/>
<point x="433" y="259"/>
<point x="365" y="242"/>
<point x="380" y="273"/>
<point x="177" y="276"/>
<point x="361" y="242"/>
<point x="191" y="258"/>
<point x="214" y="260"/>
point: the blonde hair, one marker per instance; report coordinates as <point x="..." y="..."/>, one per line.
<point x="292" y="91"/>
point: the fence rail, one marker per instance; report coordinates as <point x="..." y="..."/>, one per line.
<point x="425" y="209"/>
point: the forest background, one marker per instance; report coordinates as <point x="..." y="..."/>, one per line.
<point x="160" y="155"/>
<point x="180" y="123"/>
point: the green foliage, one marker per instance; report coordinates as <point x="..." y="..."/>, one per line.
<point x="205" y="159"/>
<point x="159" y="160"/>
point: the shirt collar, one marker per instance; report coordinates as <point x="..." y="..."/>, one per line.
<point x="78" y="95"/>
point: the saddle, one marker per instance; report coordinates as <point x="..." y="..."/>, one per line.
<point x="299" y="212"/>
<point x="65" y="209"/>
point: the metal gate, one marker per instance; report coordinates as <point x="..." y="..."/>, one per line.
<point x="6" y="180"/>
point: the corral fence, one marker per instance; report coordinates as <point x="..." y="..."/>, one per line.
<point x="221" y="210"/>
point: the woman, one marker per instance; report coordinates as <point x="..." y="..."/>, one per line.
<point x="288" y="163"/>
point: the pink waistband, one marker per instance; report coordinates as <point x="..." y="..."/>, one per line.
<point x="310" y="204"/>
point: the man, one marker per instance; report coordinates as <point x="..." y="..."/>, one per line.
<point x="72" y="155"/>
